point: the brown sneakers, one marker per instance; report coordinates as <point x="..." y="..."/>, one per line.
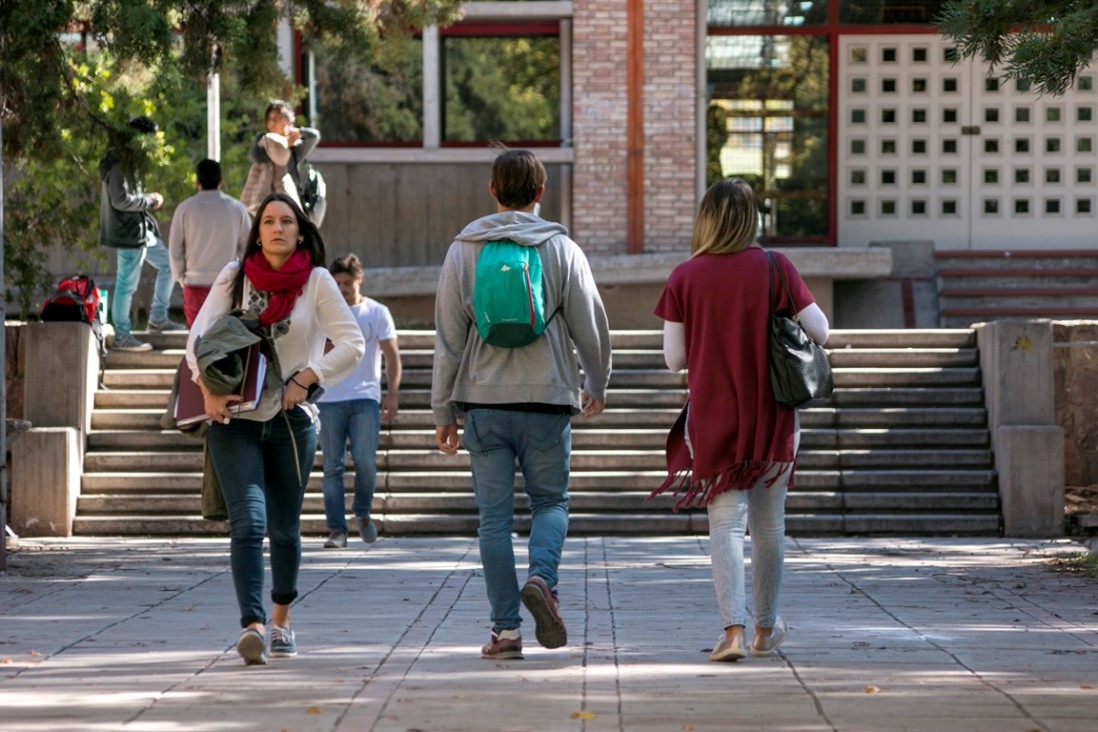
<point x="544" y="606"/>
<point x="503" y="646"/>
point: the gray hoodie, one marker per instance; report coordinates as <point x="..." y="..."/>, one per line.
<point x="466" y="369"/>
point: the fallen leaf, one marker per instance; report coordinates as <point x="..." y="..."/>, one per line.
<point x="688" y="728"/>
<point x="582" y="715"/>
<point x="1085" y="686"/>
<point x="314" y="710"/>
<point x="5" y="660"/>
<point x="872" y="689"/>
<point x="34" y="653"/>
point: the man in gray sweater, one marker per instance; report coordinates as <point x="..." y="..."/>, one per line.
<point x="517" y="403"/>
<point x="209" y="230"/>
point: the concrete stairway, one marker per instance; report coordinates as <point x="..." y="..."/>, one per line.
<point x="902" y="447"/>
<point x="976" y="286"/>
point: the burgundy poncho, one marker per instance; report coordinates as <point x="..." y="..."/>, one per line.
<point x="737" y="431"/>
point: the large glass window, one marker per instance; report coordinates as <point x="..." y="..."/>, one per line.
<point x="501" y="88"/>
<point x="766" y="12"/>
<point x="500" y="81"/>
<point x="883" y="12"/>
<point x="767" y="124"/>
<point x="361" y="101"/>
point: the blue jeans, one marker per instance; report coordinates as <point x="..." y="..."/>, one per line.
<point x="542" y="445"/>
<point x="127" y="277"/>
<point x="359" y="419"/>
<point x="263" y="468"/>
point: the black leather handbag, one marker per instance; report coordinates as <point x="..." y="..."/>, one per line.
<point x="800" y="373"/>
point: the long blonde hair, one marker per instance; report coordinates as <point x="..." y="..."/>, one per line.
<point x="727" y="220"/>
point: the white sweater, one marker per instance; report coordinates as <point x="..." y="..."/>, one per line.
<point x="320" y="313"/>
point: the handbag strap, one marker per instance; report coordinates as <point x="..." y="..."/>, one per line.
<point x="785" y="285"/>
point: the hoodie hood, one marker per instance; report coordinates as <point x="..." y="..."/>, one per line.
<point x="109" y="161"/>
<point x="518" y="226"/>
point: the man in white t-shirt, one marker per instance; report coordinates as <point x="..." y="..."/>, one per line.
<point x="354" y="408"/>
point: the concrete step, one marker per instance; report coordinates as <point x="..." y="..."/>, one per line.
<point x="917" y="338"/>
<point x="967" y="317"/>
<point x="872" y="387"/>
<point x="861" y="480"/>
<point x="821" y="417"/>
<point x="1045" y="278"/>
<point x="897" y="397"/>
<point x="1016" y="260"/>
<point x="583" y="439"/>
<point x="385" y="504"/>
<point x="580" y="524"/>
<point x="1045" y="299"/>
<point x="582" y="460"/>
<point x="903" y="358"/>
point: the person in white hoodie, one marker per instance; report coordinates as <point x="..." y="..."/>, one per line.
<point x="517" y="403"/>
<point x="209" y="230"/>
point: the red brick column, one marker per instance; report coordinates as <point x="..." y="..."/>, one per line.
<point x="670" y="134"/>
<point x="599" y="185"/>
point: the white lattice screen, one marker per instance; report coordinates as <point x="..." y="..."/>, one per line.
<point x="933" y="149"/>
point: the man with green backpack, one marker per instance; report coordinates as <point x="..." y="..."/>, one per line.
<point x="517" y="315"/>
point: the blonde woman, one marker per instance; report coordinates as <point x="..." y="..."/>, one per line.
<point x="733" y="447"/>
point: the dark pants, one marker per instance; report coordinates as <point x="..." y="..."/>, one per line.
<point x="263" y="468"/>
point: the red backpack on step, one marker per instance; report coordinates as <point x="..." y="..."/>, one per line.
<point x="76" y="299"/>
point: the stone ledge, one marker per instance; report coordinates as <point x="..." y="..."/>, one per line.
<point x="649" y="269"/>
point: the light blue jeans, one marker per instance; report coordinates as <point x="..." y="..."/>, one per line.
<point x="542" y="445"/>
<point x="762" y="510"/>
<point x="127" y="277"/>
<point x="258" y="464"/>
<point x="359" y="419"/>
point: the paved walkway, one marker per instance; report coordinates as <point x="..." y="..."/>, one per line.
<point x="886" y="634"/>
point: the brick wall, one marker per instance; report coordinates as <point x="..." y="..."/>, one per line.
<point x="670" y="164"/>
<point x="599" y="37"/>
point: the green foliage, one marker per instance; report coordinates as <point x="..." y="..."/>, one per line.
<point x="502" y="88"/>
<point x="75" y="71"/>
<point x="1045" y="42"/>
<point x="367" y="99"/>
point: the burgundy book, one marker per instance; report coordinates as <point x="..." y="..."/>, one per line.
<point x="189" y="407"/>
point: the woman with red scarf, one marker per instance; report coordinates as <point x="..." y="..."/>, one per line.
<point x="262" y="458"/>
<point x="733" y="447"/>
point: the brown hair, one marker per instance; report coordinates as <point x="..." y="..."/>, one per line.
<point x="516" y="177"/>
<point x="347" y="264"/>
<point x="728" y="219"/>
<point x="280" y="106"/>
<point x="310" y="240"/>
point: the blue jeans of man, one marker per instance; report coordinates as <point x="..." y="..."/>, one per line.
<point x="542" y="445"/>
<point x="127" y="277"/>
<point x="360" y="420"/>
<point x="263" y="468"/>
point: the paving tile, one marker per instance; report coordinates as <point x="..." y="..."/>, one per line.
<point x="886" y="635"/>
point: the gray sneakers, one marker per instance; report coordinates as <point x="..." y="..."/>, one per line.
<point x="366" y="529"/>
<point x="283" y="644"/>
<point x="129" y="343"/>
<point x="164" y="326"/>
<point x="252" y="648"/>
<point x="337" y="539"/>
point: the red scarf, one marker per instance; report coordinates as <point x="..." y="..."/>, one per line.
<point x="282" y="285"/>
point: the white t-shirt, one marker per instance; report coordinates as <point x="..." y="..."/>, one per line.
<point x="365" y="381"/>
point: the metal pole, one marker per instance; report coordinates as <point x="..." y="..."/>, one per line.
<point x="213" y="116"/>
<point x="3" y="387"/>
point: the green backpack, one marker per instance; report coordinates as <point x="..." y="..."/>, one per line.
<point x="508" y="295"/>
